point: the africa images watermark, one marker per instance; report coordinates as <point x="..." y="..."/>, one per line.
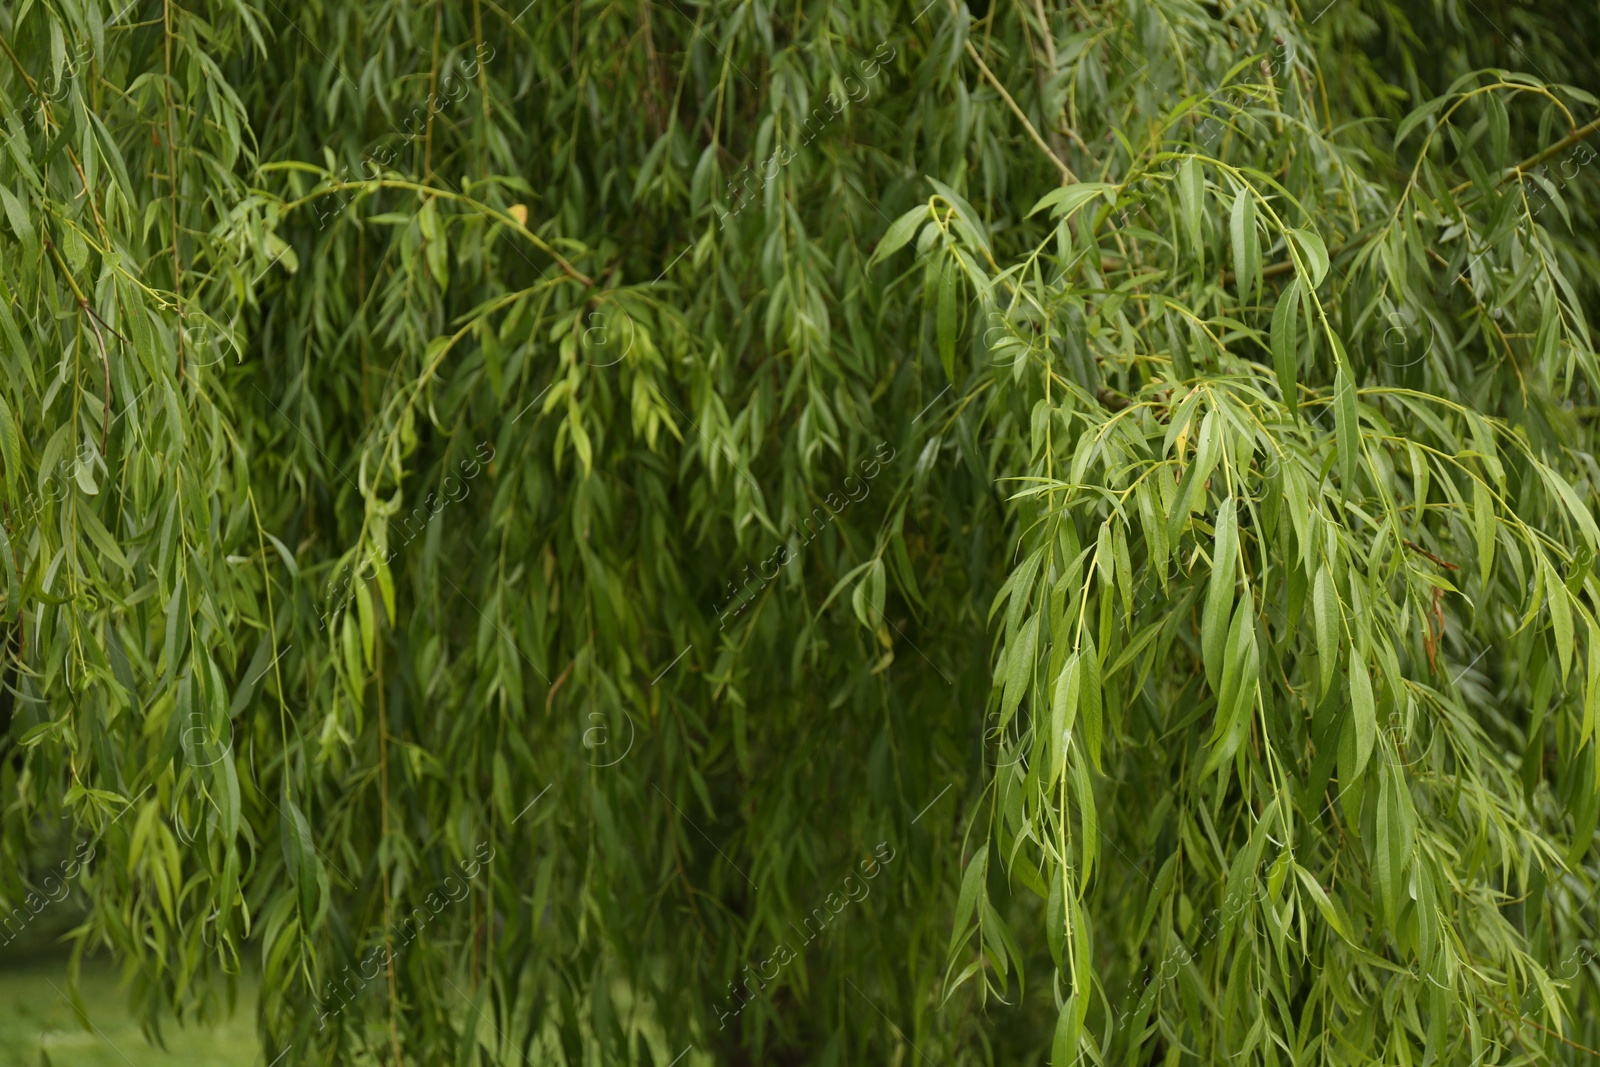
<point x="402" y="932"/>
<point x="12" y="923"/>
<point x="781" y="557"/>
<point x="422" y="514"/>
<point x="1181" y="956"/>
<point x="458" y="76"/>
<point x="782" y="156"/>
<point x="1411" y="335"/>
<point x="823" y="915"/>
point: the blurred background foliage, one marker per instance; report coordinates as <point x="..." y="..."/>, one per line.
<point x="978" y="533"/>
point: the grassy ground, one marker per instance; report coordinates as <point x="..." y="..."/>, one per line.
<point x="38" y="1026"/>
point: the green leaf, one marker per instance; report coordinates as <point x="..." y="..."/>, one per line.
<point x="1347" y="427"/>
<point x="8" y="561"/>
<point x="1056" y="920"/>
<point x="1316" y="255"/>
<point x="1392" y="845"/>
<point x="899" y="232"/>
<point x="1329" y="911"/>
<point x="1191" y="198"/>
<point x="1483" y="528"/>
<point x="971" y="883"/>
<point x="1286" y="342"/>
<point x="1019" y="668"/>
<point x="1063" y="712"/>
<point x="1089" y="701"/>
<point x="1246" y="250"/>
<point x="17" y="214"/>
<point x="1219" y="593"/>
<point x="1560" y="616"/>
<point x="1237" y="692"/>
<point x="10" y="446"/>
<point x="365" y="615"/>
<point x="1064" y="201"/>
<point x="1069" y="1026"/>
<point x="1363" y="712"/>
<point x="1418" y="116"/>
<point x="948" y="313"/>
<point x="1328" y="620"/>
<point x="102" y="540"/>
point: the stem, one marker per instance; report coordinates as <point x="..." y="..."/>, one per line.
<point x="433" y="86"/>
<point x="1067" y="177"/>
<point x="172" y="173"/>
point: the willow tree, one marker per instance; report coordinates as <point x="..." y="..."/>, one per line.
<point x="735" y="532"/>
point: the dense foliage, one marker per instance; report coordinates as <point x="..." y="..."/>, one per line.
<point x="1023" y="532"/>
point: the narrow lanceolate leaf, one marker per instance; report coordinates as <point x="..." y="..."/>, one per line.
<point x="1393" y="844"/>
<point x="1019" y="668"/>
<point x="1285" y="339"/>
<point x="1315" y="255"/>
<point x="1064" y="201"/>
<point x="947" y="316"/>
<point x="1363" y="712"/>
<point x="1560" y="616"/>
<point x="1483" y="528"/>
<point x="1090" y="706"/>
<point x="1237" y="693"/>
<point x="1064" y="712"/>
<point x="1347" y="427"/>
<point x="1219" y="592"/>
<point x="1327" y="618"/>
<point x="899" y="233"/>
<point x="1246" y="249"/>
<point x="1591" y="689"/>
<point x="10" y="446"/>
<point x="8" y="561"/>
<point x="1191" y="200"/>
<point x="971" y="886"/>
<point x="1069" y="1026"/>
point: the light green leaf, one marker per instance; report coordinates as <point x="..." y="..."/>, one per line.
<point x="1246" y="250"/>
<point x="1064" y="201"/>
<point x="1286" y="342"/>
<point x="1363" y="711"/>
<point x="1191" y="198"/>
<point x="899" y="232"/>
<point x="1347" y="427"/>
<point x="1219" y="593"/>
<point x="1316" y="255"/>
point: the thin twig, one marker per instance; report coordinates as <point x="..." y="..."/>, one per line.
<point x="1441" y="562"/>
<point x="1515" y="172"/>
<point x="172" y="174"/>
<point x="105" y="360"/>
<point x="1067" y="177"/>
<point x="1534" y="160"/>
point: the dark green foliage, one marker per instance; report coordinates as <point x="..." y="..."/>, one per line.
<point x="1018" y="533"/>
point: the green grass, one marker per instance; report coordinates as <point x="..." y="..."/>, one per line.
<point x="38" y="1025"/>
